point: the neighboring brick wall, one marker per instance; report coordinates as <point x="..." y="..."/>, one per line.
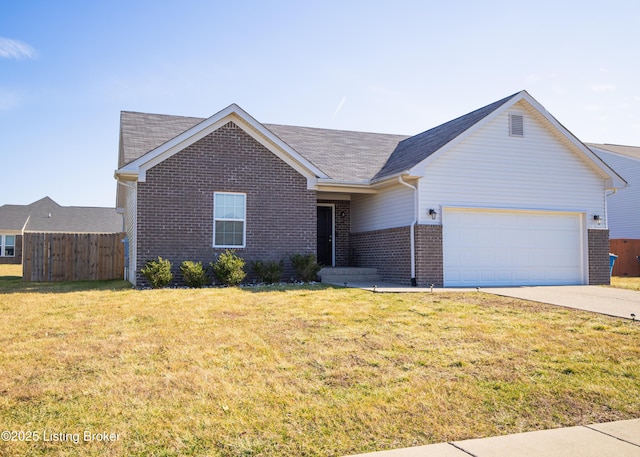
<point x="598" y="257"/>
<point x="429" y="260"/>
<point x="342" y="229"/>
<point x="17" y="258"/>
<point x="388" y="250"/>
<point x="175" y="204"/>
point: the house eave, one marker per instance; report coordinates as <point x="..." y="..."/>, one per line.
<point x="393" y="179"/>
<point x="126" y="175"/>
<point x="328" y="185"/>
<point x="361" y="187"/>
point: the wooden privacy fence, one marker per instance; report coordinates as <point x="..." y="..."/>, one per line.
<point x="72" y="256"/>
<point x="627" y="262"/>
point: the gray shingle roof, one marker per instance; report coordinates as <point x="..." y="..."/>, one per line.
<point x="415" y="149"/>
<point x="342" y="155"/>
<point x="13" y="217"/>
<point x="629" y="151"/>
<point x="45" y="215"/>
<point x="142" y="132"/>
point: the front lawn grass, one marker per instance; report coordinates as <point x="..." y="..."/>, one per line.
<point x="299" y="370"/>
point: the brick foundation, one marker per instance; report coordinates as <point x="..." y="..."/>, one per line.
<point x="598" y="257"/>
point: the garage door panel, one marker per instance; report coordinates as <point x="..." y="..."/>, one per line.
<point x="493" y="247"/>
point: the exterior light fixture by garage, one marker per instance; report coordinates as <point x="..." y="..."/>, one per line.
<point x="433" y="213"/>
<point x="597" y="218"/>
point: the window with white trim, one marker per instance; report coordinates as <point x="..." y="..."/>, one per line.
<point x="7" y="245"/>
<point x="229" y="219"/>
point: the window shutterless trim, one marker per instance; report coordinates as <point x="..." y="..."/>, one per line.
<point x="243" y="220"/>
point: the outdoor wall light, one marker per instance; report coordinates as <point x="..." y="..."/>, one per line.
<point x="343" y="214"/>
<point x="433" y="213"/>
<point x="597" y="218"/>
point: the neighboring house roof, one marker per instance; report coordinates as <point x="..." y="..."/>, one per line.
<point x="632" y="152"/>
<point x="45" y="215"/>
<point x="13" y="217"/>
<point x="336" y="156"/>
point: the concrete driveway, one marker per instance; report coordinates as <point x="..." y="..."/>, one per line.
<point x="598" y="299"/>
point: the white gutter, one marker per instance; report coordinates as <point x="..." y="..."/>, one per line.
<point x="413" y="229"/>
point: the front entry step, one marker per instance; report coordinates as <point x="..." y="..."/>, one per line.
<point x="349" y="275"/>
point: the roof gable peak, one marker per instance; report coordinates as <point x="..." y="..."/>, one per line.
<point x="137" y="168"/>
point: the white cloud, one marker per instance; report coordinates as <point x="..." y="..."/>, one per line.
<point x="14" y="49"/>
<point x="602" y="88"/>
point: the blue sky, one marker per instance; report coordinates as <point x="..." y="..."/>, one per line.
<point x="68" y="68"/>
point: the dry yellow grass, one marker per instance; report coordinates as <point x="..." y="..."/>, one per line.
<point x="625" y="282"/>
<point x="10" y="270"/>
<point x="299" y="370"/>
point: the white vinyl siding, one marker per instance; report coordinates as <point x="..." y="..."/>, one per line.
<point x="391" y="207"/>
<point x="623" y="207"/>
<point x="507" y="248"/>
<point x="490" y="168"/>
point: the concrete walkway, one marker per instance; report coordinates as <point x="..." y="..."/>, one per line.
<point x="612" y="439"/>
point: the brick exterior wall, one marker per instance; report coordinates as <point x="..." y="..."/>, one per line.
<point x="387" y="250"/>
<point x="342" y="231"/>
<point x="17" y="259"/>
<point x="175" y="204"/>
<point x="598" y="257"/>
<point x="429" y="259"/>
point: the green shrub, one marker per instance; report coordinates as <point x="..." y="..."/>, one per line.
<point x="229" y="268"/>
<point x="193" y="274"/>
<point x="157" y="272"/>
<point x="306" y="266"/>
<point x="269" y="272"/>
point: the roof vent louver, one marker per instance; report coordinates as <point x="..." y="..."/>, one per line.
<point x="516" y="125"/>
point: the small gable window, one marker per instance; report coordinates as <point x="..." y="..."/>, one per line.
<point x="229" y="219"/>
<point x="516" y="125"/>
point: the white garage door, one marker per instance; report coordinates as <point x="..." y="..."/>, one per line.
<point x="512" y="248"/>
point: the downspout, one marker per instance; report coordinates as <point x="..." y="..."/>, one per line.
<point x="127" y="266"/>
<point x="606" y="206"/>
<point x="413" y="229"/>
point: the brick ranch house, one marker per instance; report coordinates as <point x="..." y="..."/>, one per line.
<point x="504" y="195"/>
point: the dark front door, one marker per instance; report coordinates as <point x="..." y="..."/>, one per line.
<point x="325" y="235"/>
